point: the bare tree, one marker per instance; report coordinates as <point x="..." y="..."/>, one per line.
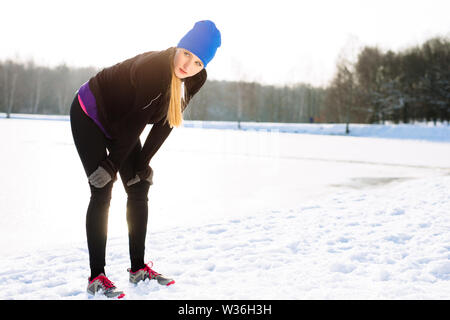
<point x="37" y="90"/>
<point x="10" y="80"/>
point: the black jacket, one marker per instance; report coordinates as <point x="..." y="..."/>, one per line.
<point x="134" y="93"/>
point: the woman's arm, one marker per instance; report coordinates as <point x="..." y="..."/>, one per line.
<point x="158" y="134"/>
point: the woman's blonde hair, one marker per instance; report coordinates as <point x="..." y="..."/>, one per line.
<point x="174" y="114"/>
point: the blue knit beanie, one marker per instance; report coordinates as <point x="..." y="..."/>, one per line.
<point x="202" y="40"/>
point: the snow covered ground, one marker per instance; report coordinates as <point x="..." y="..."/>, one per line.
<point x="257" y="215"/>
<point x="427" y="131"/>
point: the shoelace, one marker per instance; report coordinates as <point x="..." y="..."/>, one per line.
<point x="150" y="271"/>
<point x="108" y="284"/>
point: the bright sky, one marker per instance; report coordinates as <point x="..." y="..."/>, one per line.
<point x="272" y="42"/>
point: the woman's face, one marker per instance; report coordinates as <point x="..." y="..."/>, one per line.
<point x="186" y="64"/>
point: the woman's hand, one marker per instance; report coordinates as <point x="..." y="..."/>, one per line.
<point x="146" y="175"/>
<point x="102" y="175"/>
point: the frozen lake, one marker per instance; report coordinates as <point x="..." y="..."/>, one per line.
<point x="213" y="173"/>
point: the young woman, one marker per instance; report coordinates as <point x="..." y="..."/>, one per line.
<point x="109" y="112"/>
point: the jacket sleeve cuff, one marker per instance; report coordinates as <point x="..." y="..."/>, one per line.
<point x="144" y="174"/>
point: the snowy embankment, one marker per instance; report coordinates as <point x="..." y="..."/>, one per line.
<point x="423" y="131"/>
<point x="259" y="216"/>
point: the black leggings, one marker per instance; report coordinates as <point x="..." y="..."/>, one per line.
<point x="91" y="144"/>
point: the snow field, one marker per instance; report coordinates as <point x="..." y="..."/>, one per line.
<point x="351" y="245"/>
<point x="258" y="215"/>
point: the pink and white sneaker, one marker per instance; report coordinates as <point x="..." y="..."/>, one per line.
<point x="103" y="285"/>
<point x="148" y="273"/>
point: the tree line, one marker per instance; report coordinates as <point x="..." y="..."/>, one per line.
<point x="29" y="88"/>
<point x="407" y="86"/>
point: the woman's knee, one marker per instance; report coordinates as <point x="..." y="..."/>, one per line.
<point x="138" y="191"/>
<point x="102" y="194"/>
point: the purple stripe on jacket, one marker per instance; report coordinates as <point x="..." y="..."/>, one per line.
<point x="89" y="105"/>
